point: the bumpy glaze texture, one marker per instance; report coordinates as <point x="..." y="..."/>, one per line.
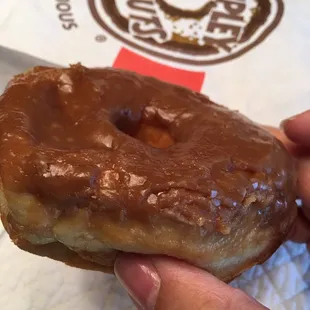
<point x="103" y="160"/>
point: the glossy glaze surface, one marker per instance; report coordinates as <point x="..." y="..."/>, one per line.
<point x="108" y="145"/>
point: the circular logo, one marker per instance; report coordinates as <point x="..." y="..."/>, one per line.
<point x="200" y="32"/>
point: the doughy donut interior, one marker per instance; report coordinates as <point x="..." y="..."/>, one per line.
<point x="152" y="132"/>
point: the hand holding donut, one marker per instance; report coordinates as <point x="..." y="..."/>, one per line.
<point x="170" y="284"/>
<point x="295" y="135"/>
<point x="297" y="130"/>
<point x="164" y="283"/>
<point x="122" y="163"/>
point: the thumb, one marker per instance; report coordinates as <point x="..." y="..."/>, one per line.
<point x="156" y="282"/>
<point x="297" y="128"/>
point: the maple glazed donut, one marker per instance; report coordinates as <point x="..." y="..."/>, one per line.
<point x="97" y="161"/>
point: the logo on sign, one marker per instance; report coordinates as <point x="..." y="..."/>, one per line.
<point x="200" y="32"/>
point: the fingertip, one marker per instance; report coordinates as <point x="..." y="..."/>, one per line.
<point x="139" y="277"/>
<point x="297" y="128"/>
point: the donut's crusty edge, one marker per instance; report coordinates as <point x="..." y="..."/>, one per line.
<point x="59" y="252"/>
<point x="98" y="261"/>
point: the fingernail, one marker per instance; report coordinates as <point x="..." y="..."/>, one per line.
<point x="139" y="277"/>
<point x="284" y="122"/>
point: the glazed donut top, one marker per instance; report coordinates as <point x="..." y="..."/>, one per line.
<point x="132" y="146"/>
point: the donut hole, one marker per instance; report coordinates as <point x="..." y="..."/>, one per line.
<point x="154" y="135"/>
<point x="151" y="132"/>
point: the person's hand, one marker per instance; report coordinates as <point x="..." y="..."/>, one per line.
<point x="296" y="137"/>
<point x="162" y="283"/>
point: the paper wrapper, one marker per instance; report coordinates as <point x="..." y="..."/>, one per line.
<point x="250" y="55"/>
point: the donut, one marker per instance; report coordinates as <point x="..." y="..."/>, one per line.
<point x="98" y="161"/>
